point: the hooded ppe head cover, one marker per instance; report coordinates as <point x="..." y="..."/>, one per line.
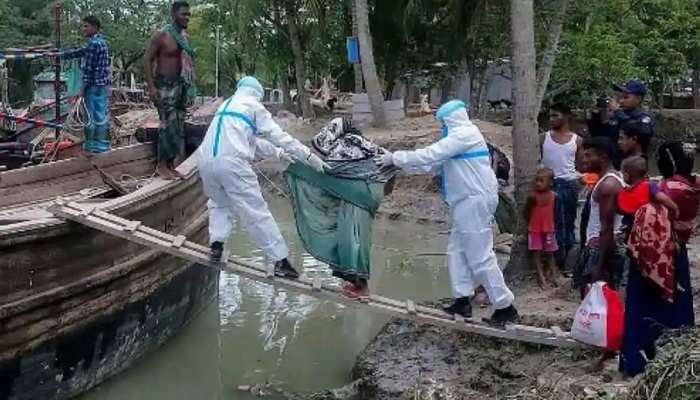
<point x="250" y="86"/>
<point x="453" y="114"/>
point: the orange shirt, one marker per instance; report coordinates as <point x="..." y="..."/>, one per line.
<point x="542" y="213"/>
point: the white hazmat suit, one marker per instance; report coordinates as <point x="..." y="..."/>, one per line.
<point x="241" y="129"/>
<point x="470" y="188"/>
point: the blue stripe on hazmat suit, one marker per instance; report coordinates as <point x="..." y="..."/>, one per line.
<point x="241" y="131"/>
<point x="470" y="188"/>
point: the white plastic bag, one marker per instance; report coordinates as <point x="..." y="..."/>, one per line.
<point x="599" y="319"/>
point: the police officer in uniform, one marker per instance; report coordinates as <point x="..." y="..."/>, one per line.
<point x="612" y="114"/>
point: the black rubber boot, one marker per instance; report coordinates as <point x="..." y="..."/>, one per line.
<point x="284" y="269"/>
<point x="461" y="306"/>
<point x="217" y="249"/>
<point x="504" y="315"/>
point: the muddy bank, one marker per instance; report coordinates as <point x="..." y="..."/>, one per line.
<point x="413" y="361"/>
<point x="410" y="361"/>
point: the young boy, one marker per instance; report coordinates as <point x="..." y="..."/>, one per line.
<point x="639" y="192"/>
<point x="542" y="242"/>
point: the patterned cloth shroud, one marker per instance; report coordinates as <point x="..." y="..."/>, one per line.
<point x="651" y="244"/>
<point x="334" y="211"/>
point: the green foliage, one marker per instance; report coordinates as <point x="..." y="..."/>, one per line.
<point x="610" y="41"/>
<point x="25" y="23"/>
<point x="128" y="25"/>
<point x="604" y="41"/>
<point x="588" y="64"/>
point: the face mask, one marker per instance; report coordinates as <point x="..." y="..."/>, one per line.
<point x="443" y="131"/>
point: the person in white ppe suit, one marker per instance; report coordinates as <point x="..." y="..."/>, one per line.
<point x="470" y="189"/>
<point x="241" y="129"/>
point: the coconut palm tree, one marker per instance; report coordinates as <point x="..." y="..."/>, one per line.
<point x="369" y="68"/>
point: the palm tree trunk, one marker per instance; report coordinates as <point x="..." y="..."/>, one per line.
<point x="369" y="69"/>
<point x="525" y="141"/>
<point x="284" y="86"/>
<point x="299" y="65"/>
<point x="357" y="68"/>
<point x="696" y="88"/>
<point x="550" y="53"/>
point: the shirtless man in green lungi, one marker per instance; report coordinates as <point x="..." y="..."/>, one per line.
<point x="170" y="79"/>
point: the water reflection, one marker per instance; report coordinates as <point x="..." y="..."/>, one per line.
<point x="256" y="333"/>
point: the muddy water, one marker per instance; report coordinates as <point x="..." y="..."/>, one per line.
<point x="256" y="334"/>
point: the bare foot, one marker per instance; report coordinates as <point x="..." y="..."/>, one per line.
<point x="600" y="364"/>
<point x="355" y="291"/>
<point x="165" y="173"/>
<point x="177" y="174"/>
<point x="88" y="154"/>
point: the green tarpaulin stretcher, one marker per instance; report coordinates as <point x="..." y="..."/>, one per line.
<point x="334" y="213"/>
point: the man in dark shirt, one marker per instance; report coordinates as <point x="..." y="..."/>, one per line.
<point x="610" y="116"/>
<point x="97" y="79"/>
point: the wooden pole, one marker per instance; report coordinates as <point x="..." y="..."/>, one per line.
<point x="57" y="81"/>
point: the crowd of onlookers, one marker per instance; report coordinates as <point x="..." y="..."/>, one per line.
<point x="633" y="231"/>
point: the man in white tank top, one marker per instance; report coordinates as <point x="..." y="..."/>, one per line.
<point x="602" y="258"/>
<point x="561" y="151"/>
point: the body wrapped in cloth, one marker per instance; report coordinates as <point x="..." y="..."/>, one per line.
<point x="334" y="211"/>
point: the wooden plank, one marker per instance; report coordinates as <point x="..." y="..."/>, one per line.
<point x="224" y="256"/>
<point x="62" y="168"/>
<point x="269" y="271"/>
<point x="200" y="254"/>
<point x="87" y="211"/>
<point x="317" y="284"/>
<point x="132" y="226"/>
<point x="46" y="189"/>
<point x="411" y="307"/>
<point x="179" y="240"/>
<point x="558" y="332"/>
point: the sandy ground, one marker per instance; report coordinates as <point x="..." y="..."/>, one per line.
<point x="409" y="361"/>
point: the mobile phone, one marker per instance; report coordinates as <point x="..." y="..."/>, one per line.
<point x="602" y="102"/>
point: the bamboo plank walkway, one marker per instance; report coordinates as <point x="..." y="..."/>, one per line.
<point x="179" y="246"/>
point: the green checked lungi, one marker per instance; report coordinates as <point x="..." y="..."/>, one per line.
<point x="171" y="111"/>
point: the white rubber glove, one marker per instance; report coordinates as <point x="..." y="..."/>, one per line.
<point x="316" y="163"/>
<point x="384" y="160"/>
<point x="284" y="157"/>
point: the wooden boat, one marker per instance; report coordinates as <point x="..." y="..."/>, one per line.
<point x="78" y="306"/>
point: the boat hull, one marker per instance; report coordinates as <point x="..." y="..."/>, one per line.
<point x="78" y="306"/>
<point x="73" y="363"/>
